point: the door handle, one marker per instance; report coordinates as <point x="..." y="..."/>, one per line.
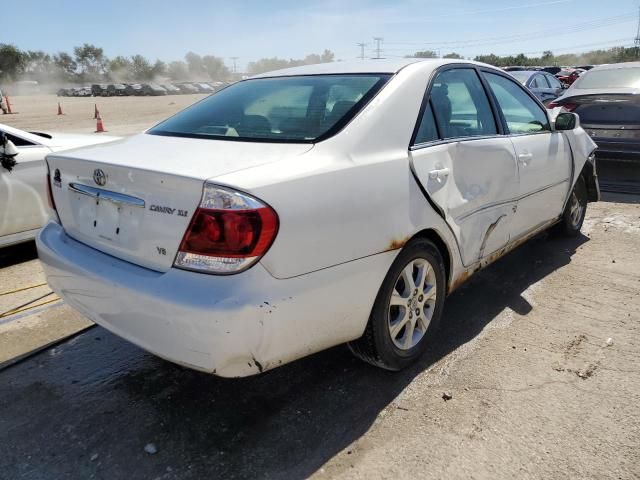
<point x="524" y="158"/>
<point x="439" y="174"/>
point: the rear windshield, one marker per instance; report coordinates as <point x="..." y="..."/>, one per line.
<point x="282" y="109"/>
<point x="522" y="77"/>
<point x="613" y="78"/>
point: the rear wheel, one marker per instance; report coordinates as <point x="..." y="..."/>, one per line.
<point x="407" y="310"/>
<point x="575" y="211"/>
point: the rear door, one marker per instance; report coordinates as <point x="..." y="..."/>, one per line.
<point x="466" y="166"/>
<point x="23" y="190"/>
<point x="544" y="157"/>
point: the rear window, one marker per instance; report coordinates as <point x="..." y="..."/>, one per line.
<point x="282" y="109"/>
<point x="613" y="78"/>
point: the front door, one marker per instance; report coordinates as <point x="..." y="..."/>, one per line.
<point x="468" y="170"/>
<point x="544" y="157"/>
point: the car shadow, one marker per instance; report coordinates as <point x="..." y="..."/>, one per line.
<point x="20" y="253"/>
<point x="612" y="197"/>
<point x="98" y="394"/>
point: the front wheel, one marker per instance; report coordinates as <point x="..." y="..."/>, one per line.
<point x="575" y="211"/>
<point x="407" y="310"/>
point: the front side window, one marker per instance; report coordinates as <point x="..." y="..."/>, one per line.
<point x="279" y="109"/>
<point x="539" y="82"/>
<point x="461" y="106"/>
<point x="17" y="141"/>
<point x="522" y="114"/>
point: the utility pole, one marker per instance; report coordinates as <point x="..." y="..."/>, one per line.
<point x="378" y="41"/>
<point x="234" y="63"/>
<point x="361" y="45"/>
<point x="637" y="40"/>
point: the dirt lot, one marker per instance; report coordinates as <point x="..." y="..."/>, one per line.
<point x="121" y="115"/>
<point x="540" y="354"/>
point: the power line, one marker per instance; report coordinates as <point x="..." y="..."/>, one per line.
<point x="361" y="45"/>
<point x="234" y="63"/>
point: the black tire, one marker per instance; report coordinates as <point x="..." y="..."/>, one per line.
<point x="376" y="346"/>
<point x="572" y="221"/>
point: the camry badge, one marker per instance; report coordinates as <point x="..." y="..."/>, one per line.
<point x="99" y="177"/>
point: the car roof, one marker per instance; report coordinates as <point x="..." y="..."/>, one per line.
<point x="361" y="66"/>
<point x="616" y="66"/>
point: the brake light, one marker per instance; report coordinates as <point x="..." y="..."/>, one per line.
<point x="229" y="232"/>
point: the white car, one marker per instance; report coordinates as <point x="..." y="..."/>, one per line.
<point x="23" y="202"/>
<point x="308" y="207"/>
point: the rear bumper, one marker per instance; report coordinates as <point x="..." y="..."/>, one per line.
<point x="609" y="149"/>
<point x="232" y="326"/>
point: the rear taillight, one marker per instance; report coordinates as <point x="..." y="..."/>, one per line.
<point x="229" y="232"/>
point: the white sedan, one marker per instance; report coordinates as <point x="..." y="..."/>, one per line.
<point x="23" y="203"/>
<point x="309" y="207"/>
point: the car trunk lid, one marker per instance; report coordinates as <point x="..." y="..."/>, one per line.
<point x="134" y="198"/>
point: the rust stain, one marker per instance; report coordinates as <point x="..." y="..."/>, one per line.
<point x="395" y="244"/>
<point x="463" y="277"/>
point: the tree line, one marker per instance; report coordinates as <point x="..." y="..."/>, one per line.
<point x="88" y="63"/>
<point x="594" y="57"/>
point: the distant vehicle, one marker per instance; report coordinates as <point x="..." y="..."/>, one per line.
<point x="99" y="90"/>
<point x="204" y="88"/>
<point x="171" y="89"/>
<point x="567" y="77"/>
<point x="64" y="92"/>
<point x="607" y="99"/>
<point x="544" y="85"/>
<point x="309" y="207"/>
<point x="514" y="69"/>
<point x="22" y="192"/>
<point x="82" y="92"/>
<point x="134" y="89"/>
<point x="153" y="89"/>
<point x="116" y="90"/>
<point x="188" y="88"/>
<point x="551" y="70"/>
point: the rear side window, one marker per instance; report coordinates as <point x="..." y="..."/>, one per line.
<point x="553" y="81"/>
<point x="522" y="114"/>
<point x="281" y="109"/>
<point x="460" y="105"/>
<point x="539" y="82"/>
<point x="427" y="131"/>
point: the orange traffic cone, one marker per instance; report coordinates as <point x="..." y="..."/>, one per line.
<point x="60" y="109"/>
<point x="99" y="125"/>
<point x="96" y="113"/>
<point x="6" y="99"/>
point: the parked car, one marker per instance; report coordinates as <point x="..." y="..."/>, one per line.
<point x="116" y="90"/>
<point x="99" y="90"/>
<point x="204" y="88"/>
<point x="153" y="89"/>
<point x="312" y="206"/>
<point x="22" y="189"/>
<point x="171" y="89"/>
<point x="544" y="85"/>
<point x="187" y="88"/>
<point x="134" y="89"/>
<point x="568" y="77"/>
<point x="607" y="99"/>
<point x="64" y="92"/>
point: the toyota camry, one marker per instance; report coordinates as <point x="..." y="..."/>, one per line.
<point x="310" y="207"/>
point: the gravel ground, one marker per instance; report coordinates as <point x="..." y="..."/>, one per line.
<point x="539" y="358"/>
<point x="121" y="115"/>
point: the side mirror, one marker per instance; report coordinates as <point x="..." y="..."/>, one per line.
<point x="567" y="121"/>
<point x="8" y="152"/>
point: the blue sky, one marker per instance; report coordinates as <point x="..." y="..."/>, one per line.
<point x="250" y="29"/>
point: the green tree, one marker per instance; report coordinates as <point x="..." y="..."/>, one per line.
<point x="215" y="67"/>
<point x="91" y="62"/>
<point x="178" y="71"/>
<point x="453" y="55"/>
<point x="12" y="62"/>
<point x="425" y="54"/>
<point x="141" y="68"/>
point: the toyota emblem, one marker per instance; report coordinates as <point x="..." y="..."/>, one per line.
<point x="99" y="177"/>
